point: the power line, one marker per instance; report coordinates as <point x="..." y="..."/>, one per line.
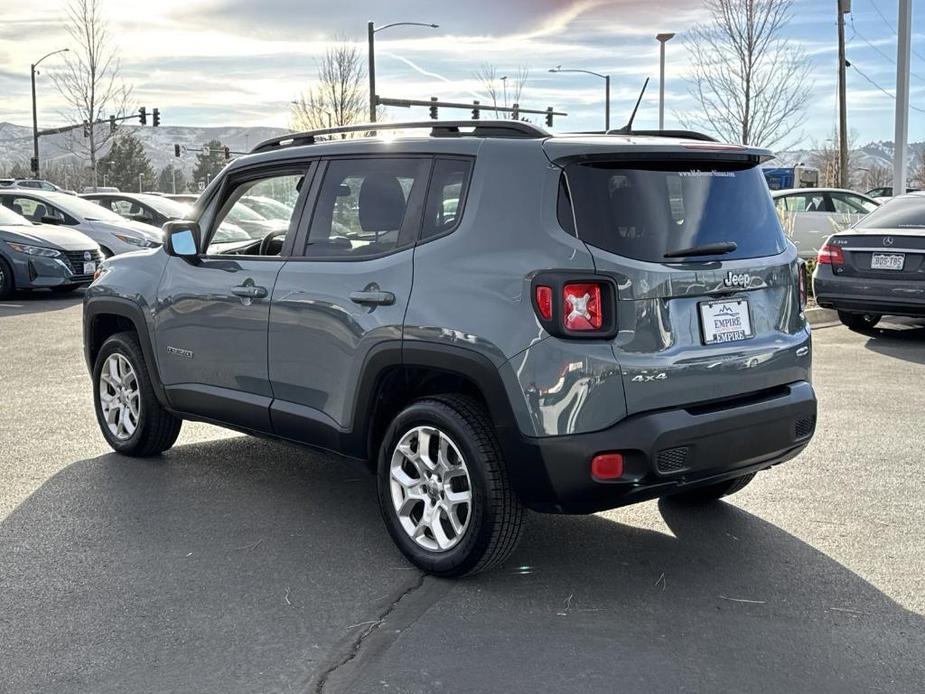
<point x="885" y="91"/>
<point x="892" y="28"/>
<point x="881" y="53"/>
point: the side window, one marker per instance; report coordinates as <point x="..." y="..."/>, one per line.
<point x="851" y="204"/>
<point x="240" y="230"/>
<point x="35" y="210"/>
<point x="446" y="196"/>
<point x="363" y="207"/>
<point x="795" y="203"/>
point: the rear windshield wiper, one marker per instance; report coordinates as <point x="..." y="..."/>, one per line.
<point x="706" y="249"/>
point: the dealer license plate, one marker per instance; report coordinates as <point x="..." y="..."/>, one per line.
<point x="89" y="268"/>
<point x="725" y="321"/>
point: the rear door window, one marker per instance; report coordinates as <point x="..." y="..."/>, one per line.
<point x="367" y="207"/>
<point x="898" y="213"/>
<point x="445" y="196"/>
<point x="645" y="210"/>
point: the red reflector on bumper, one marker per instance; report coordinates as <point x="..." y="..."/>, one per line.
<point x="607" y="466"/>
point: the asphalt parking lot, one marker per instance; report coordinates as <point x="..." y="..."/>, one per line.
<point x="233" y="564"/>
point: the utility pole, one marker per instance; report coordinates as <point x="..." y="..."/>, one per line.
<point x="371" y="35"/>
<point x="844" y="6"/>
<point x="904" y="30"/>
<point x="662" y="40"/>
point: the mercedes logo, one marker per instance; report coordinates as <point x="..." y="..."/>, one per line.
<point x="887" y="240"/>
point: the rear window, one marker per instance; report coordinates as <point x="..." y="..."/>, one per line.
<point x="898" y="213"/>
<point x="645" y="210"/>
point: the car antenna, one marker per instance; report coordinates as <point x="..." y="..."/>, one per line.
<point x="628" y="128"/>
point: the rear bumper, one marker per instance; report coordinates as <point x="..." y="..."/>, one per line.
<point x="863" y="295"/>
<point x="669" y="451"/>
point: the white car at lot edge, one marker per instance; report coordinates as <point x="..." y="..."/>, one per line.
<point x="113" y="233"/>
<point x="810" y="215"/>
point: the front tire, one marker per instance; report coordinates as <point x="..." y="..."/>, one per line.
<point x="7" y="281"/>
<point x="444" y="492"/>
<point x="859" y="322"/>
<point x="127" y="410"/>
<point x="713" y="492"/>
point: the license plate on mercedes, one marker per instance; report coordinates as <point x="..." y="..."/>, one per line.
<point x="725" y="321"/>
<point x="887" y="261"/>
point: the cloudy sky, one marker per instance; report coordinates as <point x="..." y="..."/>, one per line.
<point x="241" y="62"/>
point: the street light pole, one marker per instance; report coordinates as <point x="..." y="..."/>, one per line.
<point x="903" y="49"/>
<point x="662" y="40"/>
<point x="371" y="31"/>
<point x="606" y="78"/>
<point x="843" y="7"/>
<point x="35" y="117"/>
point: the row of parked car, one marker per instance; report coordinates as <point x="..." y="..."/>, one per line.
<point x="55" y="240"/>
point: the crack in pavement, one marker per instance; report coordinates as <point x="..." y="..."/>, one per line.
<point x="354" y="645"/>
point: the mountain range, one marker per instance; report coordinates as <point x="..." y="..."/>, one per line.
<point x="16" y="146"/>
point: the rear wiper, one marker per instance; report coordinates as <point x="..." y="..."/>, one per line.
<point x="706" y="249"/>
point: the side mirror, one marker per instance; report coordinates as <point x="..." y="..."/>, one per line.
<point x="181" y="239"/>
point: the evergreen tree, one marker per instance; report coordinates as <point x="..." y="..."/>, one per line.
<point x="208" y="164"/>
<point x="166" y="178"/>
<point x="125" y="162"/>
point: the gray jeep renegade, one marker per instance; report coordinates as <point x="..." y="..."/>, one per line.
<point x="494" y="317"/>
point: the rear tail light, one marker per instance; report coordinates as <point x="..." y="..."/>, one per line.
<point x="801" y="268"/>
<point x="607" y="466"/>
<point x="574" y="305"/>
<point x="581" y="306"/>
<point x="830" y="255"/>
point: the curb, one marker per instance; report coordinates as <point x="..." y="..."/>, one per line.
<point x="821" y="317"/>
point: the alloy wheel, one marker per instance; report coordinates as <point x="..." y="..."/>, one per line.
<point x="120" y="397"/>
<point x="430" y="487"/>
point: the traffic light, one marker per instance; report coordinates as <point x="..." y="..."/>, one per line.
<point x="549" y="116"/>
<point x="143" y="115"/>
<point x="155" y="118"/>
<point x="176" y="150"/>
<point x="433" y="108"/>
<point x="515" y="112"/>
<point x="475" y="110"/>
<point x="86" y="128"/>
<point x="227" y="152"/>
<point x="112" y="124"/>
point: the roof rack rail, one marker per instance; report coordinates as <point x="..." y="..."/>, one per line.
<point x="449" y="128"/>
<point x="681" y="134"/>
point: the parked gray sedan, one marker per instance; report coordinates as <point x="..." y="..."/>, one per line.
<point x="877" y="267"/>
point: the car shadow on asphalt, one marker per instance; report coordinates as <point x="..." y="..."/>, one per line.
<point x="234" y="565"/>
<point x="900" y="339"/>
<point x="39" y="301"/>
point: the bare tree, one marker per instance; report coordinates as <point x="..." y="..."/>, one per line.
<point x="338" y="97"/>
<point x="825" y="157"/>
<point x="750" y="83"/>
<point x="916" y="172"/>
<point x="90" y="81"/>
<point x="877" y="176"/>
<point x="503" y="90"/>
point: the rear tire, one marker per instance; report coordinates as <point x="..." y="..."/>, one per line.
<point x="713" y="492"/>
<point x="859" y="322"/>
<point x="7" y="281"/>
<point x="127" y="410"/>
<point x="462" y="474"/>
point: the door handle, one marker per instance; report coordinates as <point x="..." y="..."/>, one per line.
<point x="373" y="298"/>
<point x="249" y="291"/>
